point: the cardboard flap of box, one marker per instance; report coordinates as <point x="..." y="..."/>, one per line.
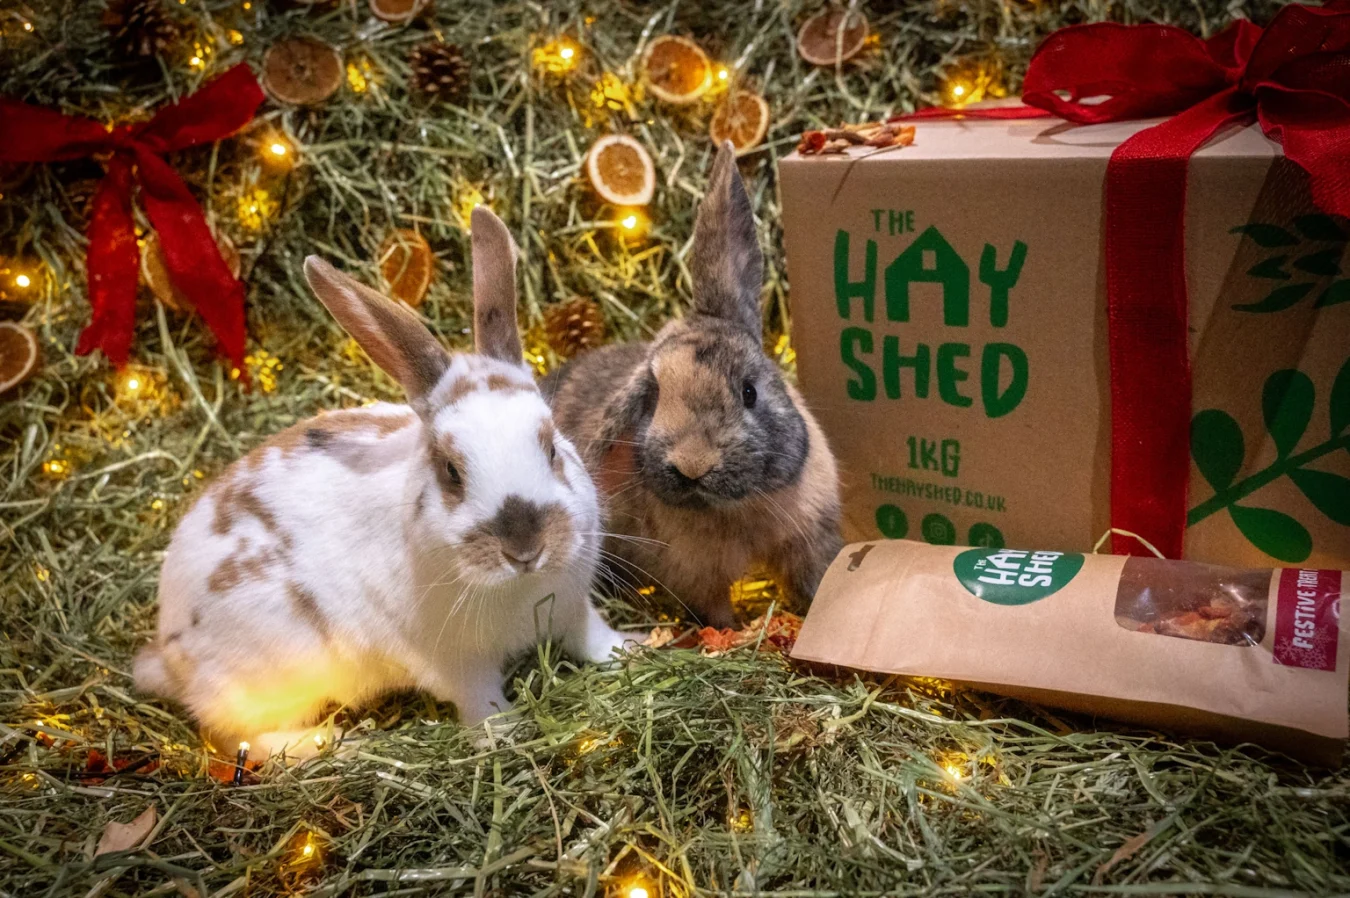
<point x="974" y="139"/>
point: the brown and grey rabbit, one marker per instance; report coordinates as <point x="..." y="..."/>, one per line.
<point x="708" y="461"/>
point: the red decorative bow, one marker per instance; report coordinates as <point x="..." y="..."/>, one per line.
<point x="1294" y="78"/>
<point x="195" y="266"/>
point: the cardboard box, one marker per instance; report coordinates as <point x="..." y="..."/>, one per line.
<point x="949" y="318"/>
<point x="1233" y="654"/>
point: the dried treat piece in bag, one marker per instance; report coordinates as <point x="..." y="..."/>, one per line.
<point x="1206" y="602"/>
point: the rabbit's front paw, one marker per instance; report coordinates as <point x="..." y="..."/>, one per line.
<point x="597" y="641"/>
<point x="610" y="646"/>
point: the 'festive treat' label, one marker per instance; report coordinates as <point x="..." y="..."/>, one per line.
<point x="1307" y="618"/>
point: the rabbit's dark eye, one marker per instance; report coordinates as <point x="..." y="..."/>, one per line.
<point x="552" y="453"/>
<point x="748" y="394"/>
<point x="453" y="473"/>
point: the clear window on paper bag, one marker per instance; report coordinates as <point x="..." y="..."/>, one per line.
<point x="1204" y="602"/>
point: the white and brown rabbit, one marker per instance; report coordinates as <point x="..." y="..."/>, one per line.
<point x="390" y="546"/>
<point x="707" y="459"/>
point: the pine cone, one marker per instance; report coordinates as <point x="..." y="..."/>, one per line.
<point x="573" y="327"/>
<point x="439" y="69"/>
<point x="140" y="28"/>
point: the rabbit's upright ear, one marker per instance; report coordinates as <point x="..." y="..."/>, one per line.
<point x="388" y="331"/>
<point x="494" y="288"/>
<point x="726" y="264"/>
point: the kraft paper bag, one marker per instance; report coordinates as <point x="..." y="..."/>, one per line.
<point x="949" y="318"/>
<point x="1229" y="653"/>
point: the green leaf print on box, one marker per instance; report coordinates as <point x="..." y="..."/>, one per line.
<point x="1306" y="266"/>
<point x="1288" y="402"/>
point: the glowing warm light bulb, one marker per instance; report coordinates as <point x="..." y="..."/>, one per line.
<point x="954" y="771"/>
<point x="557" y="57"/>
<point x="308" y="850"/>
<point x="27" y="26"/>
<point x="133" y="384"/>
<point x="356" y="79"/>
<point x="278" y="149"/>
<point x="630" y="222"/>
<point x="723" y="74"/>
<point x="637" y="892"/>
<point x="243" y="746"/>
<point x="23" y="280"/>
<point x="958" y="90"/>
<point x="195" y="62"/>
<point x="318" y="740"/>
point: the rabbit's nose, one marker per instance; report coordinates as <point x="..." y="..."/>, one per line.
<point x="677" y="473"/>
<point x="522" y="557"/>
<point x="519" y="526"/>
<point x="691" y="465"/>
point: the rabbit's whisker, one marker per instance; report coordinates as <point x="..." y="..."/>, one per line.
<point x="640" y="570"/>
<point x="448" y="615"/>
<point x="609" y="534"/>
<point x="783" y="515"/>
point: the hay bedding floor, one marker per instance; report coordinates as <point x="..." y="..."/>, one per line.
<point x="676" y="772"/>
<point x="684" y="773"/>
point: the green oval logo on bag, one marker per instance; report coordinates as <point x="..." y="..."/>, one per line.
<point x="1015" y="576"/>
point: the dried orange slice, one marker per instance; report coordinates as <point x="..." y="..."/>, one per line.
<point x="397" y="10"/>
<point x="742" y="118"/>
<point x="818" y="40"/>
<point x="302" y="71"/>
<point x="155" y="272"/>
<point x="406" y="264"/>
<point x="19" y="355"/>
<point x="621" y="170"/>
<point x="676" y="69"/>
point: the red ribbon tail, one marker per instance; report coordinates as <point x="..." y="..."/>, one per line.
<point x="113" y="266"/>
<point x="1147" y="315"/>
<point x="191" y="255"/>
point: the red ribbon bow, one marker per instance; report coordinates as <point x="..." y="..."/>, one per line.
<point x="195" y="266"/>
<point x="1294" y="78"/>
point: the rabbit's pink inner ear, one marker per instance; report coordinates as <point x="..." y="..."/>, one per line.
<point x="725" y="262"/>
<point x="389" y="332"/>
<point x="495" y="333"/>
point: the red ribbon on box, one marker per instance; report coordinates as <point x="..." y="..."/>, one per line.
<point x="1293" y="77"/>
<point x="195" y="266"/>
